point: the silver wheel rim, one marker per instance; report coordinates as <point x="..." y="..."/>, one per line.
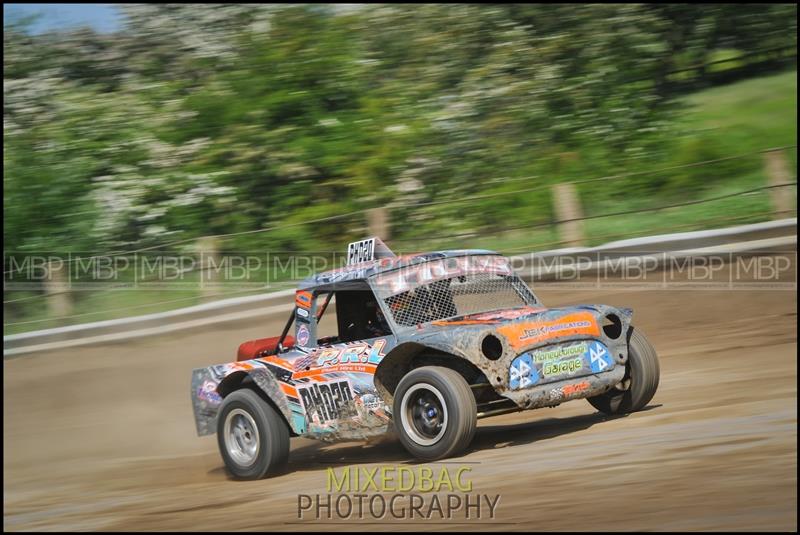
<point x="241" y="437"/>
<point x="410" y="417"/>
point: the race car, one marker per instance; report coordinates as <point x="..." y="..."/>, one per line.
<point x="428" y="343"/>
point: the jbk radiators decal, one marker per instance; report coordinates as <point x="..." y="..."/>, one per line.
<point x="525" y="334"/>
<point x="324" y="402"/>
<point x="559" y="362"/>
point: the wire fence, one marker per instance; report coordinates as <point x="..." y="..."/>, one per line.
<point x="662" y="229"/>
<point x="229" y="293"/>
<point x="121" y="309"/>
<point x="472" y="198"/>
<point x="433" y="238"/>
<point x="613" y="214"/>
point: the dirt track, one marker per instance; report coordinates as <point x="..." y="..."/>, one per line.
<point x="103" y="437"/>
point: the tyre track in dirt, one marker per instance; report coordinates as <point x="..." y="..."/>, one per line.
<point x="102" y="437"/>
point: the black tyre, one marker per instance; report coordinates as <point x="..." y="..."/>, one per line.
<point x="434" y="413"/>
<point x="253" y="438"/>
<point x="642" y="373"/>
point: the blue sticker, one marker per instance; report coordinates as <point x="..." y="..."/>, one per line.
<point x="599" y="357"/>
<point x="522" y="373"/>
<point x="303" y="335"/>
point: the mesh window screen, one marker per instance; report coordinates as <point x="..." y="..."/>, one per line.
<point x="458" y="296"/>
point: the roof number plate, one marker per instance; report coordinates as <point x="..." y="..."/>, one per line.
<point x="361" y="251"/>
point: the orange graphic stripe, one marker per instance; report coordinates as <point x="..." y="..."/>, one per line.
<point x="279" y="361"/>
<point x="528" y="333"/>
<point x="289" y="390"/>
<point x="490" y="318"/>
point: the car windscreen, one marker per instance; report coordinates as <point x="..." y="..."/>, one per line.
<point x="449" y="287"/>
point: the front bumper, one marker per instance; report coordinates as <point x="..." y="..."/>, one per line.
<point x="550" y="370"/>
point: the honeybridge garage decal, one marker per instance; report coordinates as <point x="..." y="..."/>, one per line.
<point x="439" y="492"/>
<point x="558" y="361"/>
<point x="323" y="402"/>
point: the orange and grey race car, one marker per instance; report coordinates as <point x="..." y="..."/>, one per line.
<point x="421" y="344"/>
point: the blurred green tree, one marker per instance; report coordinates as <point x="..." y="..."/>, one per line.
<point x="224" y="118"/>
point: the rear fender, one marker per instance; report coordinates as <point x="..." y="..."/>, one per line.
<point x="208" y="394"/>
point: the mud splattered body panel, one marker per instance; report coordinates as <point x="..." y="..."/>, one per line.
<point x="327" y="392"/>
<point x="544" y="351"/>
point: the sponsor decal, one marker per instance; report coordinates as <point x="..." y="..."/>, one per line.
<point x="371" y="402"/>
<point x="524" y="334"/>
<point x="322" y="402"/>
<point x="208" y="392"/>
<point x="559" y="352"/>
<point x="563" y="366"/>
<point x="574" y="389"/>
<point x="302" y="312"/>
<point x="599" y="357"/>
<point x="528" y="368"/>
<point x="303" y="335"/>
<point x="303" y="299"/>
<point x="358" y="353"/>
<point x="539" y="331"/>
<point x="522" y="373"/>
<point x="349" y="368"/>
<point x="563" y="392"/>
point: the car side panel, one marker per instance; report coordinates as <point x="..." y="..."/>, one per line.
<point x="325" y="392"/>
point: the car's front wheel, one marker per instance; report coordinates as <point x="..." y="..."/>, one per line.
<point x="640" y="381"/>
<point x="434" y="413"/>
<point x="253" y="439"/>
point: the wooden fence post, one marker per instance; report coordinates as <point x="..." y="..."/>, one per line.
<point x="378" y="222"/>
<point x="208" y="247"/>
<point x="568" y="209"/>
<point x="56" y="287"/>
<point x="776" y="166"/>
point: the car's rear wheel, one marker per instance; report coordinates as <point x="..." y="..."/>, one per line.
<point x="253" y="439"/>
<point x="641" y="378"/>
<point x="434" y="413"/>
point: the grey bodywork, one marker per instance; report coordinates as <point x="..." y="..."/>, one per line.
<point x="452" y="340"/>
